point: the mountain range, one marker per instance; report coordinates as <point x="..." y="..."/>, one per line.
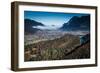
<point x="77" y="23"/>
<point x="74" y="24"/>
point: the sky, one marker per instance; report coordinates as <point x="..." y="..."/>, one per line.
<point x="51" y="20"/>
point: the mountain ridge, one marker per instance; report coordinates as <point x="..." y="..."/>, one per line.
<point x="29" y="26"/>
<point x="77" y="23"/>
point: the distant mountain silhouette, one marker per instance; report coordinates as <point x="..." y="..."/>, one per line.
<point x="77" y="23"/>
<point x="29" y="26"/>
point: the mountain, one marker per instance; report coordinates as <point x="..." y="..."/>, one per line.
<point x="77" y="23"/>
<point x="30" y="22"/>
<point x="29" y="26"/>
<point x="80" y="52"/>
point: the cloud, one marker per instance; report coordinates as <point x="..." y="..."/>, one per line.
<point x="50" y="27"/>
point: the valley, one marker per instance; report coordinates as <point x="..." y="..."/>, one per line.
<point x="50" y="46"/>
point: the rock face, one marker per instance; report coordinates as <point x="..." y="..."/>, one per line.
<point x="84" y="38"/>
<point x="77" y="23"/>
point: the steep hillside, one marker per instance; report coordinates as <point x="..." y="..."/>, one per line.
<point x="77" y="23"/>
<point x="52" y="49"/>
<point x="29" y="26"/>
<point x="80" y="52"/>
